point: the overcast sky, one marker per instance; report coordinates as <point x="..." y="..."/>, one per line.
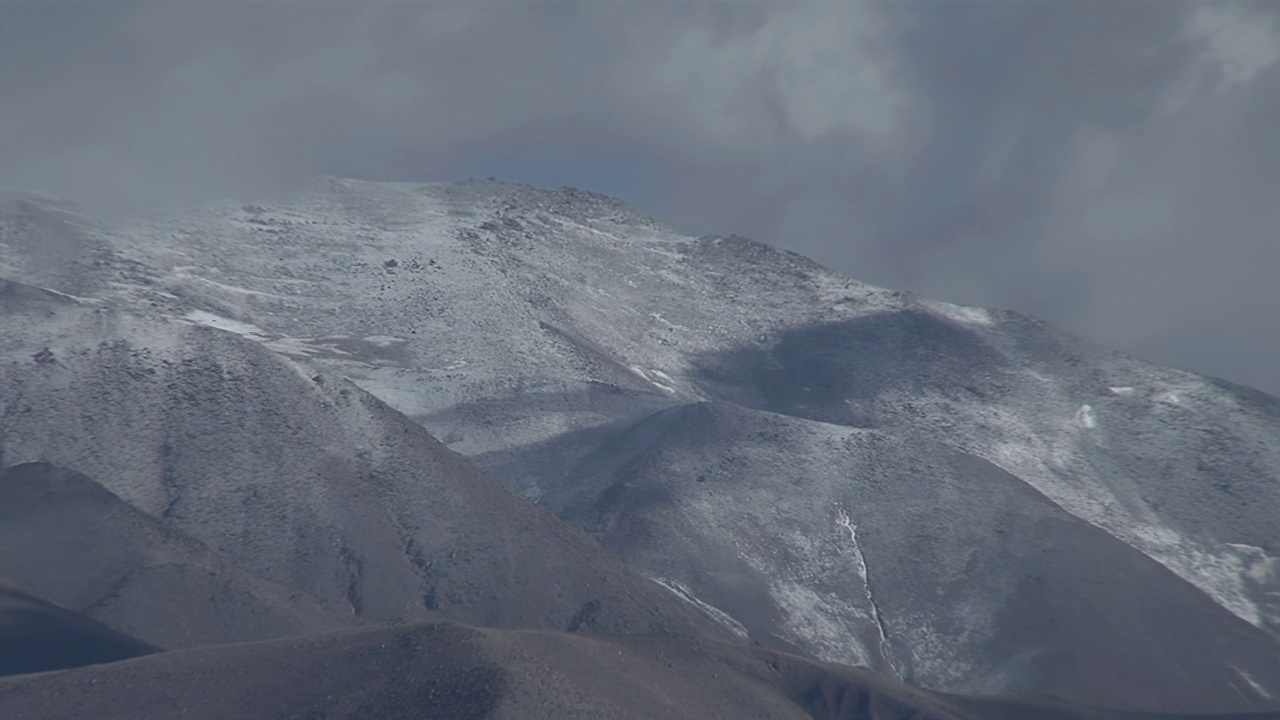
<point x="1112" y="167"/>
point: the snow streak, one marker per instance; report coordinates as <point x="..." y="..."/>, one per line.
<point x="844" y="521"/>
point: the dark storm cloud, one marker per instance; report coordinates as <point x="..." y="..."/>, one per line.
<point x="1108" y="166"/>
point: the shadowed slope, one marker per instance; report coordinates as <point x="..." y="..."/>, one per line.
<point x="68" y="539"/>
<point x="36" y="636"/>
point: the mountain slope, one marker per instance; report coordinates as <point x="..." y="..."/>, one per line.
<point x="908" y="556"/>
<point x="307" y="482"/>
<point x="534" y="331"/>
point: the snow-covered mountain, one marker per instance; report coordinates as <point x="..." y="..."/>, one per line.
<point x="183" y="438"/>
<point x="966" y="499"/>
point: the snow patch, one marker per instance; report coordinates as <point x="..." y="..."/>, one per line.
<point x="74" y="298"/>
<point x="1220" y="572"/>
<point x="1258" y="565"/>
<point x="646" y="244"/>
<point x="821" y="620"/>
<point x="707" y="609"/>
<point x="294" y="347"/>
<point x="961" y="313"/>
<point x="208" y="319"/>
<point x="644" y="375"/>
<point x="1244" y="675"/>
<point x="658" y="316"/>
<point x="234" y="289"/>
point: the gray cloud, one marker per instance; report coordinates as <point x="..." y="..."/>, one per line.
<point x="1111" y="167"/>
<point x="1120" y="183"/>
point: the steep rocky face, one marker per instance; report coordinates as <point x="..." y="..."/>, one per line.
<point x="966" y="498"/>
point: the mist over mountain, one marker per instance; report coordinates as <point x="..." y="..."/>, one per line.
<point x="540" y="410"/>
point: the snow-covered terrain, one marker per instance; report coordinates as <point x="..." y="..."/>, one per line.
<point x="861" y="474"/>
<point x="270" y="501"/>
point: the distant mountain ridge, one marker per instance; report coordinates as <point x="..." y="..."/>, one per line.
<point x="966" y="499"/>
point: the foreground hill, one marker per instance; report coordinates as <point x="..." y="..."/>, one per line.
<point x="446" y="670"/>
